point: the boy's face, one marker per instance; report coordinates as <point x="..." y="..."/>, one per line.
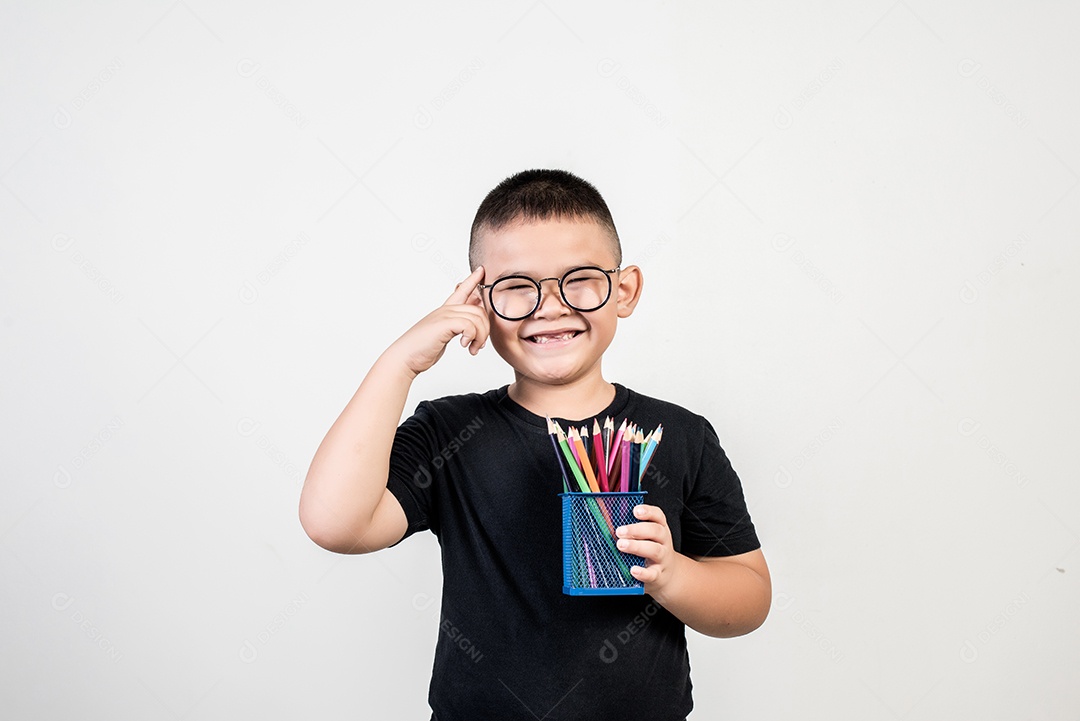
<point x="547" y="249"/>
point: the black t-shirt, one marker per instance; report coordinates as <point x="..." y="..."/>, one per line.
<point x="479" y="471"/>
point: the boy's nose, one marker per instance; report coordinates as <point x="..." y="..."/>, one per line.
<point x="551" y="302"/>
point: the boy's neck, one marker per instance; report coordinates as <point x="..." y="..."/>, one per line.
<point x="582" y="398"/>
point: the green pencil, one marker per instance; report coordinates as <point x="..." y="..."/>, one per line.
<point x="570" y="460"/>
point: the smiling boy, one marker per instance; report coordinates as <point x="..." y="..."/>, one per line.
<point x="547" y="289"/>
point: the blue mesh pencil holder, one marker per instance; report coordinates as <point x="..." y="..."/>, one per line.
<point x="592" y="565"/>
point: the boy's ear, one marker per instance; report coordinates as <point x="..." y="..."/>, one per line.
<point x="628" y="291"/>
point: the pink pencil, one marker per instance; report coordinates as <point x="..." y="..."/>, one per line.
<point x="570" y="434"/>
<point x="624" y="474"/>
<point x="615" y="451"/>
<point x="588" y="562"/>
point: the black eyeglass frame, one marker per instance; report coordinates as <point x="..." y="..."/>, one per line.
<point x="540" y="290"/>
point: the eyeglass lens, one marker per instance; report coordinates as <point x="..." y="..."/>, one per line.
<point x="583" y="289"/>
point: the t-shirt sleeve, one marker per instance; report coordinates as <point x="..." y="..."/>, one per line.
<point x="411" y="471"/>
<point x="715" y="520"/>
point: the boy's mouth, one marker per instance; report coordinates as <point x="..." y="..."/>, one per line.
<point x="553" y="337"/>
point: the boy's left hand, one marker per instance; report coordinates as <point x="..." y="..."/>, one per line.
<point x="650" y="538"/>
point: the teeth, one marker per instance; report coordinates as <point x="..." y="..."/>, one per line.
<point x="553" y="337"/>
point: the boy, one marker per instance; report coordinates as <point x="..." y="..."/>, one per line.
<point x="480" y="472"/>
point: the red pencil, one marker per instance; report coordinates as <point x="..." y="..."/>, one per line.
<point x="598" y="452"/>
<point x="616" y="465"/>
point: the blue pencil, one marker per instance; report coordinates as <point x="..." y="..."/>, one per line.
<point x="650" y="449"/>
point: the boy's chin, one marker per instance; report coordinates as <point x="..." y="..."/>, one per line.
<point x="551" y="371"/>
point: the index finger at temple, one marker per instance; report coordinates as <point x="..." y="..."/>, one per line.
<point x="466" y="287"/>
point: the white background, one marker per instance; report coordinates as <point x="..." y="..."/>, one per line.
<point x="854" y="224"/>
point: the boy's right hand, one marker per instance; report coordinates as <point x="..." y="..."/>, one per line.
<point x="462" y="314"/>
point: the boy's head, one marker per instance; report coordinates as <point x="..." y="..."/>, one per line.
<point x="539" y="230"/>
<point x="537" y="195"/>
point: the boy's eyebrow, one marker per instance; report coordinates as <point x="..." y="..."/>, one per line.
<point x="527" y="274"/>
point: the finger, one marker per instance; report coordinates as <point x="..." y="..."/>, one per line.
<point x="480" y="314"/>
<point x="478" y="342"/>
<point x="645" y="512"/>
<point x="474" y="329"/>
<point x="648" y="550"/>
<point x="644" y="531"/>
<point x="476" y="298"/>
<point x="465" y="288"/>
<point x="646" y="575"/>
<point x="475" y="337"/>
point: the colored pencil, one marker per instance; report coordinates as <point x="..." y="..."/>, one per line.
<point x="624" y="471"/>
<point x="609" y="429"/>
<point x="592" y="571"/>
<point x="639" y="445"/>
<point x="598" y="453"/>
<point x="615" y="451"/>
<point x="583" y="458"/>
<point x="573" y="447"/>
<point x="583" y="434"/>
<point x="582" y="483"/>
<point x="647" y="455"/>
<point x="558" y="456"/>
<point x="616" y="466"/>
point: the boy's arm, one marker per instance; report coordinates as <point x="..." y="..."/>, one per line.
<point x="720" y="596"/>
<point x="345" y="505"/>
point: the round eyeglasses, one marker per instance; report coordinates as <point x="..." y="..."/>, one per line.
<point x="516" y="297"/>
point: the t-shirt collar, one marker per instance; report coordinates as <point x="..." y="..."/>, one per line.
<point x="617" y="407"/>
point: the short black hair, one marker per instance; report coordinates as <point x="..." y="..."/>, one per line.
<point x="539" y="195"/>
